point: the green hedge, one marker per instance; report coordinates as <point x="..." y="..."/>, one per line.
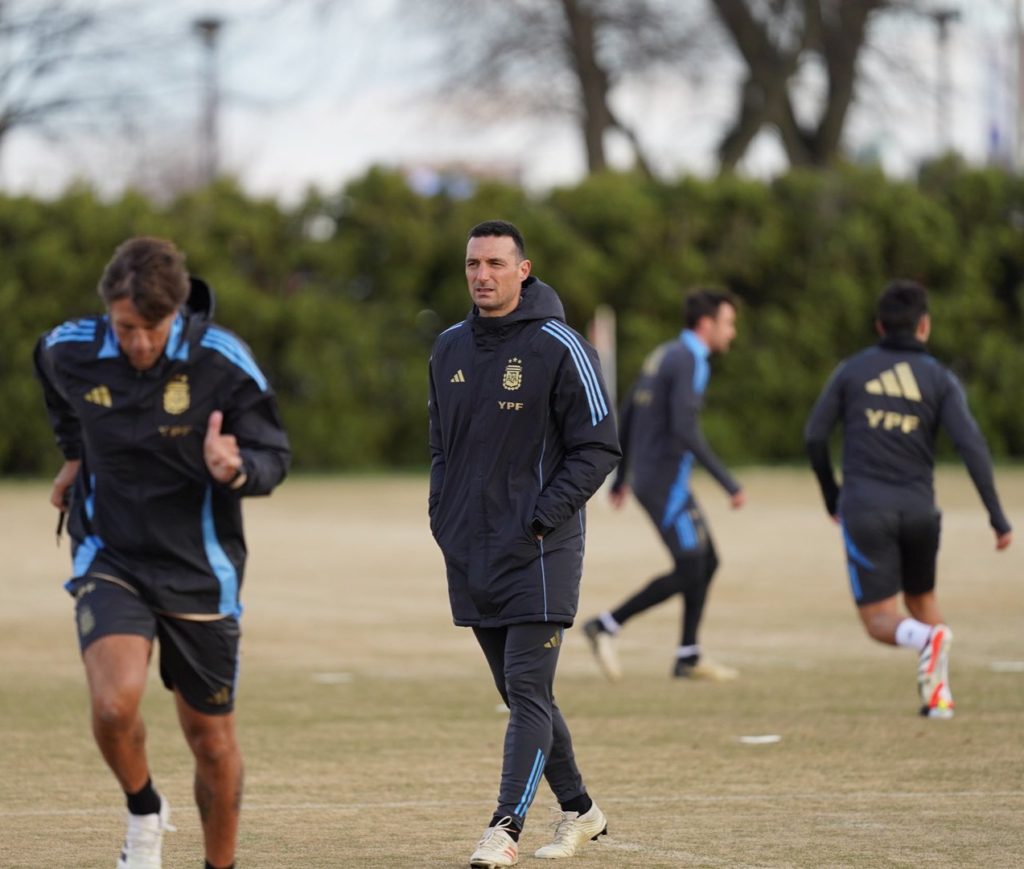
<point x="341" y="295"/>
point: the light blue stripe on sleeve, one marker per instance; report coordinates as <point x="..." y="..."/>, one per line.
<point x="231" y="348"/>
<point x="73" y="330"/>
<point x="110" y="348"/>
<point x="591" y="384"/>
<point x="583" y="362"/>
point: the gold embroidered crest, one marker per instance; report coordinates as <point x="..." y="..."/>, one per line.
<point x="513" y="377"/>
<point x="176" y="397"/>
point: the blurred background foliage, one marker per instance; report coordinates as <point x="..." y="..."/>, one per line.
<point x="340" y="296"/>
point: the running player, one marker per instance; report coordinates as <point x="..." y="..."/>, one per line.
<point x="891" y="399"/>
<point x="166" y="423"/>
<point x="661" y="440"/>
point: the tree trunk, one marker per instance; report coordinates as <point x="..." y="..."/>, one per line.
<point x="593" y="82"/>
<point x="836" y="31"/>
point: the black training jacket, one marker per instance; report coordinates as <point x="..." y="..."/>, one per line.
<point x="144" y="510"/>
<point x="521" y="435"/>
<point x="891" y="400"/>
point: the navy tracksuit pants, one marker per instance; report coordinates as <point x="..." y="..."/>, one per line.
<point x="523" y="659"/>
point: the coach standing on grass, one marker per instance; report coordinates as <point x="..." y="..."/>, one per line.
<point x="166" y="423"/>
<point x="521" y="436"/>
<point x="891" y="400"/>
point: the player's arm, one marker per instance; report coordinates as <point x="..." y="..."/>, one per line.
<point x="817" y="430"/>
<point x="580" y="407"/>
<point x="253" y="421"/>
<point x="437" y="459"/>
<point x="684" y="424"/>
<point x="956" y="418"/>
<point x="63" y="421"/>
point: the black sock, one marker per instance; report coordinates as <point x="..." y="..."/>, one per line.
<point x="512" y="829"/>
<point x="208" y="865"/>
<point x="145" y="801"/>
<point x="581" y="804"/>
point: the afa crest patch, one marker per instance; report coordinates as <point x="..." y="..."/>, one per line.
<point x="176" y="395"/>
<point x="513" y="377"/>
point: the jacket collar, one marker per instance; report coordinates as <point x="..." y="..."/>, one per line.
<point x="690" y="339"/>
<point x="902" y="342"/>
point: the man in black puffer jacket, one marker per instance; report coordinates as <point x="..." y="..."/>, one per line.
<point x="521" y="435"/>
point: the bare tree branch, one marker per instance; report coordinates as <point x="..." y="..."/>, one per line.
<point x="559" y="56"/>
<point x="776" y="40"/>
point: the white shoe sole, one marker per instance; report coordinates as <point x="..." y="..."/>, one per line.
<point x="603" y="646"/>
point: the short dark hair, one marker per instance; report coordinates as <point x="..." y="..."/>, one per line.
<point x="901" y="306"/>
<point x="500" y="228"/>
<point x="149" y="271"/>
<point x="705" y="303"/>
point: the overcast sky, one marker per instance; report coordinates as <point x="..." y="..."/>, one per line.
<point x="316" y="97"/>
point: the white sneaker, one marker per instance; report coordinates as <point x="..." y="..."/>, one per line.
<point x="933" y="674"/>
<point x="602" y="644"/>
<point x="572" y="830"/>
<point x="144" y="839"/>
<point x="496" y="848"/>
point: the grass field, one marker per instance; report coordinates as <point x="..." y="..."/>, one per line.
<point x="372" y="737"/>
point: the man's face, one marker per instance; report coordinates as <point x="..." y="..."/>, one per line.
<point x="723" y="329"/>
<point x="495" y="274"/>
<point x="141" y="341"/>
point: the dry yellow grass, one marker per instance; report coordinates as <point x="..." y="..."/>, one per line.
<point x="372" y="738"/>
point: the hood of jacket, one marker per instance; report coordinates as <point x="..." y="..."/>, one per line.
<point x="537" y="302"/>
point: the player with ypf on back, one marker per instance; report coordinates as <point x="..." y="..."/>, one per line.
<point x="891" y="399"/>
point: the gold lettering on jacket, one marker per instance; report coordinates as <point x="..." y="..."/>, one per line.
<point x="175" y="431"/>
<point x="892" y="421"/>
<point x="510" y="405"/>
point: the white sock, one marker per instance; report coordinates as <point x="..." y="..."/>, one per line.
<point x="609" y="623"/>
<point x="913" y="634"/>
<point x="687" y="651"/>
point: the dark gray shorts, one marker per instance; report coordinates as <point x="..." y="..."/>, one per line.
<point x="198" y="658"/>
<point x="891" y="551"/>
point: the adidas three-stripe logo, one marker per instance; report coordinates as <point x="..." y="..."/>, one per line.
<point x="99" y="395"/>
<point x="896" y="382"/>
<point x="591" y="383"/>
<point x="458" y="377"/>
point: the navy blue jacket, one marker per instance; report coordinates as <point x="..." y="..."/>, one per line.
<point x="521" y="435"/>
<point x="891" y="400"/>
<point x="144" y="509"/>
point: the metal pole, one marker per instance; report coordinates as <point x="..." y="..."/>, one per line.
<point x="1018" y="141"/>
<point x="208" y="29"/>
<point x="942" y="18"/>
